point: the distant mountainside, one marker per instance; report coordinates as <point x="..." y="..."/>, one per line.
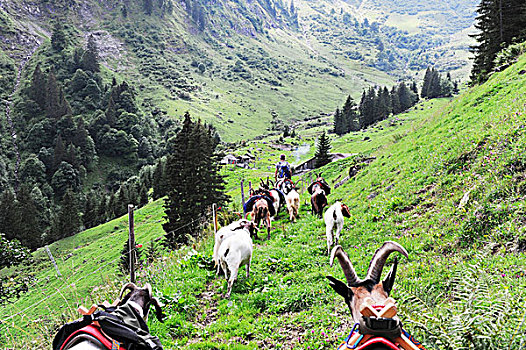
<point x="93" y="92"/>
<point x="238" y="63"/>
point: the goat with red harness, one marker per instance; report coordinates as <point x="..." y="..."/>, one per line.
<point x="121" y="326"/>
<point x="377" y="325"/>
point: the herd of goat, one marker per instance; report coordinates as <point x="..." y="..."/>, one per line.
<point x="233" y="245"/>
<point x="122" y="324"/>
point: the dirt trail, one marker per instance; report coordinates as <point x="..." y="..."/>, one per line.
<point x="208" y="303"/>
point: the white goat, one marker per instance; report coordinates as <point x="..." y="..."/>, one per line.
<point x="227" y="231"/>
<point x="334" y="222"/>
<point x="293" y="204"/>
<point x="234" y="252"/>
<point x="292" y="198"/>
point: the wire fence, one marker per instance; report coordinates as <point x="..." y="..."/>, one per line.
<point x="69" y="285"/>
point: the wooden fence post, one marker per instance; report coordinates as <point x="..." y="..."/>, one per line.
<point x="214" y="215"/>
<point x="53" y="261"/>
<point x="242" y="193"/>
<point x="131" y="243"/>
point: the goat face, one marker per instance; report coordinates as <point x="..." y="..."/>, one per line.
<point x="345" y="211"/>
<point x="357" y="290"/>
<point x="143" y="299"/>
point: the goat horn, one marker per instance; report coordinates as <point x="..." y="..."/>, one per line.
<point x="380" y="257"/>
<point x="346" y="265"/>
<point x="131" y="286"/>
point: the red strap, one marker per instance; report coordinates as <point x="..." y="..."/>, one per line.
<point x="96" y="333"/>
<point x="375" y="341"/>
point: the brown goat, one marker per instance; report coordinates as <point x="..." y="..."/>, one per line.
<point x="357" y="290"/>
<point x="260" y="211"/>
<point x="318" y="201"/>
<point x="319" y="191"/>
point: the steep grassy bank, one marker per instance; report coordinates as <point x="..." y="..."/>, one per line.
<point x="463" y="285"/>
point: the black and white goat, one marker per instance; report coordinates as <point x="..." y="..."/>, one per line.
<point x="227" y="231"/>
<point x="234" y="252"/>
<point x="141" y="299"/>
<point x="333" y="218"/>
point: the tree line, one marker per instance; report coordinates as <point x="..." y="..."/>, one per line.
<point x="500" y="23"/>
<point x="377" y="103"/>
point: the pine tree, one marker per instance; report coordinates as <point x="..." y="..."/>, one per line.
<point x="499" y="23"/>
<point x="395" y="101"/>
<point x="37" y="90"/>
<point x="26" y="223"/>
<point x="102" y="208"/>
<point x="67" y="222"/>
<point x="56" y="104"/>
<point x="386" y="95"/>
<point x="159" y="180"/>
<point x="193" y="181"/>
<point x="434" y="89"/>
<point x="90" y="59"/>
<point x="405" y="97"/>
<point x="323" y="148"/>
<point x="350" y="115"/>
<point x="425" y="85"/>
<point x="382" y="103"/>
<point x="143" y="195"/>
<point x="368" y="110"/>
<point x="455" y="87"/>
<point x="338" y="124"/>
<point x="58" y="37"/>
<point x="90" y="211"/>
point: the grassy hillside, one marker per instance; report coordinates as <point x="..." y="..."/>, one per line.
<point x="447" y="184"/>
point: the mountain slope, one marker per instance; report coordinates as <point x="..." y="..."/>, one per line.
<point x="236" y="63"/>
<point x="447" y="185"/>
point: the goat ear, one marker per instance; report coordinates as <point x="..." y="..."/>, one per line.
<point x="389" y="280"/>
<point x="158" y="311"/>
<point x="340" y="288"/>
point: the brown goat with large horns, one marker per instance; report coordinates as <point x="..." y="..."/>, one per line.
<point x="357" y="290"/>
